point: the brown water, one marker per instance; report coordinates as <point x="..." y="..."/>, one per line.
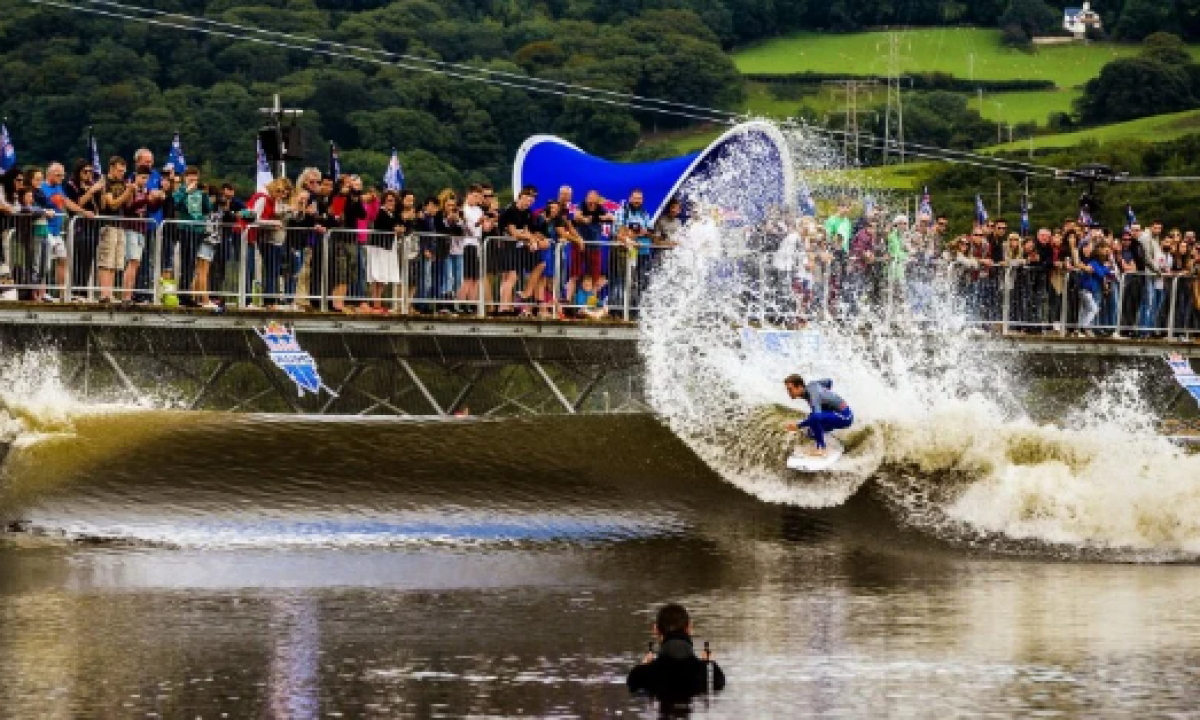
<point x="178" y="565"/>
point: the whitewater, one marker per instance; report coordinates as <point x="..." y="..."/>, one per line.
<point x="942" y="430"/>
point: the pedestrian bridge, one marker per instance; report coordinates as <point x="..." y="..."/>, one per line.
<point x="427" y="365"/>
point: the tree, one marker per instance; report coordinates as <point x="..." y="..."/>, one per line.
<point x="1188" y="12"/>
<point x="1140" y="18"/>
<point x="1135" y="87"/>
<point x="1034" y="17"/>
<point x="1166" y="48"/>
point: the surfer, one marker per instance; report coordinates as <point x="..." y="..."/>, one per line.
<point x="829" y="410"/>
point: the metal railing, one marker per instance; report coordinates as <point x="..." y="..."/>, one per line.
<point x="111" y="258"/>
<point x="286" y="267"/>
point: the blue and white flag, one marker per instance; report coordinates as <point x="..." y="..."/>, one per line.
<point x="1187" y="379"/>
<point x="808" y="207"/>
<point x="285" y="351"/>
<point x="1024" y="216"/>
<point x="1085" y="218"/>
<point x="393" y="179"/>
<point x="335" y="164"/>
<point x="175" y="157"/>
<point x="94" y="151"/>
<point x="981" y="215"/>
<point x="1130" y="218"/>
<point x="263" y="169"/>
<point x="8" y="153"/>
<point x="926" y="208"/>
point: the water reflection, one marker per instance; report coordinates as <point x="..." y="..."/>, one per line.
<point x="293" y="683"/>
<point x="797" y="626"/>
<point x="839" y="613"/>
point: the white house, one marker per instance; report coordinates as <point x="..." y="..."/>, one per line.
<point x="1077" y="21"/>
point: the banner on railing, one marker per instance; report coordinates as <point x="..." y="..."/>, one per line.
<point x="1184" y="375"/>
<point x="288" y="356"/>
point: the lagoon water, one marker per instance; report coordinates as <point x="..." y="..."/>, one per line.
<point x="190" y="565"/>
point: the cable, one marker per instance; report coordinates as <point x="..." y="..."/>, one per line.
<point x="414" y="58"/>
<point x="999" y="163"/>
<point x="1166" y="179"/>
<point x="873" y="142"/>
<point x="485" y="76"/>
<point x="376" y="61"/>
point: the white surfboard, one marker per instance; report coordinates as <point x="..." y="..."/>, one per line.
<point x="813" y="464"/>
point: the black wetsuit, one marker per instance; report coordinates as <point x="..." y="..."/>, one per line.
<point x="676" y="673"/>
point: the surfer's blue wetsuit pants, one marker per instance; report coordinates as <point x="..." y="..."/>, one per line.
<point x="820" y="423"/>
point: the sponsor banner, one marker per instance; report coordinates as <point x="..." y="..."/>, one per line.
<point x="285" y="351"/>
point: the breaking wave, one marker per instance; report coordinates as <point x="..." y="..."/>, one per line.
<point x="953" y="440"/>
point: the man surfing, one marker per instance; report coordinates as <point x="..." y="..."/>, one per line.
<point x="829" y="411"/>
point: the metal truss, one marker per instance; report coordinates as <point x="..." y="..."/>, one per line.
<point x="230" y="371"/>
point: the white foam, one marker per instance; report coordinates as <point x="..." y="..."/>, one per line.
<point x="951" y="446"/>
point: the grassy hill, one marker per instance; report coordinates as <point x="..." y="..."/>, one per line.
<point x="1025" y="107"/>
<point x="1160" y="128"/>
<point x="1009" y="107"/>
<point x="947" y="50"/>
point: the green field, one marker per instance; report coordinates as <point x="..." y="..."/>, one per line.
<point x="820" y="100"/>
<point x="761" y="103"/>
<point x="947" y="50"/>
<point x="1010" y="107"/>
<point x="901" y="178"/>
<point x="1160" y="128"/>
<point x="1024" y="107"/>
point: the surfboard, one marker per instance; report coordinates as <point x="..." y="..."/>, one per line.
<point x="810" y="464"/>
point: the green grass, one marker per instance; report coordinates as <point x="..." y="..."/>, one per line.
<point x="688" y="141"/>
<point x="946" y="50"/>
<point x="1014" y="107"/>
<point x="1023" y="107"/>
<point x="761" y="103"/>
<point x="901" y="178"/>
<point x="1157" y="129"/>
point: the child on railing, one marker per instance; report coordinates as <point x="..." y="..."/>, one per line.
<point x="590" y="305"/>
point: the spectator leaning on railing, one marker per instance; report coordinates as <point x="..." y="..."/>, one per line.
<point x="81" y="232"/>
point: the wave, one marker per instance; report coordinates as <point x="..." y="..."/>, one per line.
<point x="954" y="442"/>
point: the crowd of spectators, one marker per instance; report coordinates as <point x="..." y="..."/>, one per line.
<point x="137" y="222"/>
<point x="1072" y="279"/>
<point x="291" y="245"/>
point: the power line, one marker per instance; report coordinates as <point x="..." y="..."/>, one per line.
<point x="894" y="96"/>
<point x="526" y="83"/>
<point x="413" y="58"/>
<point x="727" y="119"/>
<point x="851" y="89"/>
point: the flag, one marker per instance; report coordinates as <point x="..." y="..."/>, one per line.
<point x="94" y="149"/>
<point x="1024" y="216"/>
<point x="393" y="179"/>
<point x="1130" y="218"/>
<point x="808" y="208"/>
<point x="335" y="165"/>
<point x="8" y="153"/>
<point x="175" y="157"/>
<point x="926" y="208"/>
<point x="868" y="206"/>
<point x="981" y="216"/>
<point x="263" y="169"/>
<point x="1085" y="217"/>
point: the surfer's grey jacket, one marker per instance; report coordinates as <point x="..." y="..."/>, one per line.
<point x="821" y="397"/>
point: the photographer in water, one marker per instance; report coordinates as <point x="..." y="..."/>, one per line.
<point x="675" y="671"/>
